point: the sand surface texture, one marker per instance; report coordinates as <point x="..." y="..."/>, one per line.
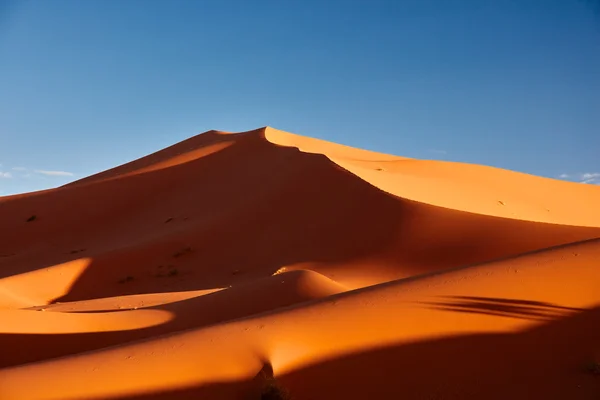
<point x="233" y="266"/>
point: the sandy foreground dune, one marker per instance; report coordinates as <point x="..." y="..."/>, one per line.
<point x="229" y="264"/>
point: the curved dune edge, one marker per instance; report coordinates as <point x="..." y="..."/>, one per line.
<point x="32" y="288"/>
<point x="120" y="303"/>
<point x="300" y="284"/>
<point x="318" y="146"/>
<point x="460" y="186"/>
<point x="90" y="320"/>
<point x="31" y="322"/>
<point x="502" y="303"/>
<point x="179" y="153"/>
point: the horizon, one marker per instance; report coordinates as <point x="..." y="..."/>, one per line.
<point x="88" y="86"/>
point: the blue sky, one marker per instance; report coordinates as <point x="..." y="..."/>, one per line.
<point x="87" y="85"/>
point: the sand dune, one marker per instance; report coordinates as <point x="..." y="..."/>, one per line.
<point x="214" y="266"/>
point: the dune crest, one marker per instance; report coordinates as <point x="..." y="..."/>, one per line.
<point x="219" y="264"/>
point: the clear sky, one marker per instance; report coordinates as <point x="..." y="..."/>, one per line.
<point x="86" y="85"/>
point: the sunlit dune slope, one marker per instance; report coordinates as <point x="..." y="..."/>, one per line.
<point x="201" y="270"/>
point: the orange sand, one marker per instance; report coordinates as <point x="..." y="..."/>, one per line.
<point x="211" y="267"/>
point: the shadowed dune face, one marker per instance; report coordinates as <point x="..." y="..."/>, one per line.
<point x="316" y="262"/>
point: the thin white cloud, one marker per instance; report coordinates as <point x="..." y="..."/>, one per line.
<point x="53" y="173"/>
<point x="19" y="169"/>
<point x="6" y="175"/>
<point x="590" y="175"/>
<point x="591" y="178"/>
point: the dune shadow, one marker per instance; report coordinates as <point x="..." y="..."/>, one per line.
<point x="535" y="310"/>
<point x="248" y="389"/>
<point x="221" y="391"/>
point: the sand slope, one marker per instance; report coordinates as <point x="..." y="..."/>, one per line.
<point x="203" y="269"/>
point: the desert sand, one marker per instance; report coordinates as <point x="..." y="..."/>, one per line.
<point x="232" y="265"/>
